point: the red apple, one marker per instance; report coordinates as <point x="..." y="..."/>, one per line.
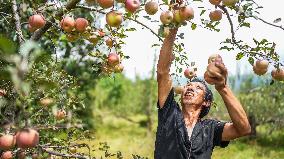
<point x="166" y="17"/>
<point x="106" y="3"/>
<point x="229" y="2"/>
<point x="114" y="18"/>
<point x="261" y="64"/>
<point x="215" y="2"/>
<point x="132" y="5"/>
<point x="186" y="13"/>
<point x="81" y="24"/>
<point x="215" y="15"/>
<point x="7" y="142"/>
<point x="7" y="155"/>
<point x="67" y="24"/>
<point x="118" y="68"/>
<point x="151" y="7"/>
<point x="27" y="138"/>
<point x="278" y="75"/>
<point x="37" y="21"/>
<point x="259" y="71"/>
<point x="189" y="73"/>
<point x="60" y="114"/>
<point x="178" y="89"/>
<point x="113" y="59"/>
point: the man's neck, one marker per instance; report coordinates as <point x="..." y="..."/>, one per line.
<point x="191" y="115"/>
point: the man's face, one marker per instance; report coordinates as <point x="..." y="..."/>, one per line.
<point x="193" y="94"/>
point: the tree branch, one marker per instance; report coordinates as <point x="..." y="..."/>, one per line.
<point x="277" y="26"/>
<point x="20" y="36"/>
<point x="63" y="155"/>
<point x="138" y="22"/>
<point x="238" y="45"/>
<point x="38" y="34"/>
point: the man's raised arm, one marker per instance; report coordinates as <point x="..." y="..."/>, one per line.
<point x="163" y="69"/>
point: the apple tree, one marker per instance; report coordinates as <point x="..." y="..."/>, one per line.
<point x="42" y="92"/>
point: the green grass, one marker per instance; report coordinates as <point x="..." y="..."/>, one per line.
<point x="130" y="138"/>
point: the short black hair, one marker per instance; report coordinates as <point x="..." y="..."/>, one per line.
<point x="208" y="97"/>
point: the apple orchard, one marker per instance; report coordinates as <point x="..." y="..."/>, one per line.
<point x="52" y="51"/>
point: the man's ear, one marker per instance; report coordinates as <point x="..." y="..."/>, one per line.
<point x="206" y="103"/>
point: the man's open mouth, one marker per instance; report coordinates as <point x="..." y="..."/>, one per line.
<point x="188" y="94"/>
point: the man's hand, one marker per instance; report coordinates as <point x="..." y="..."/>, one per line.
<point x="219" y="79"/>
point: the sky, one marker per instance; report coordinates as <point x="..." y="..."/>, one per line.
<point x="201" y="43"/>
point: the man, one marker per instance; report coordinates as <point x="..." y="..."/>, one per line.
<point x="181" y="134"/>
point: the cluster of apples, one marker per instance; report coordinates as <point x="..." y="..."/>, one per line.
<point x="24" y="139"/>
<point x="112" y="64"/>
<point x="59" y="114"/>
<point x="261" y="66"/>
<point x="216" y="15"/>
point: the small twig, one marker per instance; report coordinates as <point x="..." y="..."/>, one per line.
<point x="17" y="22"/>
<point x="277" y="26"/>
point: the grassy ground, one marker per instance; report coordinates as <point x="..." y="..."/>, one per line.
<point x="130" y="138"/>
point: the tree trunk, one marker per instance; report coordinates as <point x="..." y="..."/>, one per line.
<point x="253" y="125"/>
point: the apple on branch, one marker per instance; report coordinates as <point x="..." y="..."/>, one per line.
<point x="7" y="142"/>
<point x="114" y="18"/>
<point x="166" y="17"/>
<point x="27" y="138"/>
<point x="132" y="5"/>
<point x="36" y="21"/>
<point x="215" y="15"/>
<point x="151" y="7"/>
<point x="81" y="24"/>
<point x="105" y="3"/>
<point x="67" y="24"/>
<point x="190" y="73"/>
<point x="278" y="74"/>
<point x="7" y="155"/>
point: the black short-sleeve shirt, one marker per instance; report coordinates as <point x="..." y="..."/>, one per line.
<point x="172" y="141"/>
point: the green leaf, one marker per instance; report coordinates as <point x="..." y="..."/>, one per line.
<point x="245" y="24"/>
<point x="251" y="60"/>
<point x="6" y="46"/>
<point x="180" y="70"/>
<point x="202" y="12"/>
<point x="240" y="56"/>
<point x="193" y="26"/>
